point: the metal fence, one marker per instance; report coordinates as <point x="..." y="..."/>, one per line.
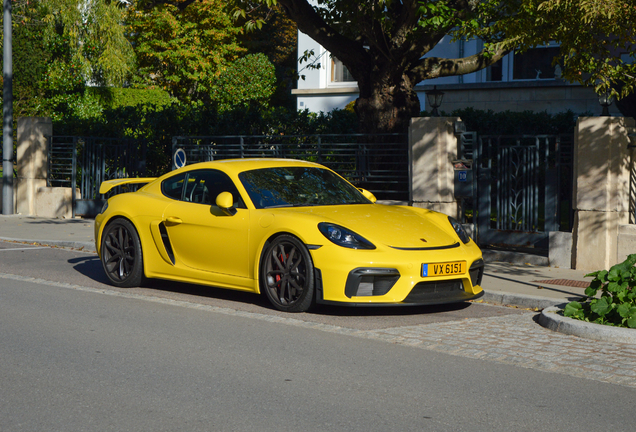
<point x="376" y="162"/>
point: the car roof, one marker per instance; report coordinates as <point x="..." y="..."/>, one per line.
<point x="239" y="165"/>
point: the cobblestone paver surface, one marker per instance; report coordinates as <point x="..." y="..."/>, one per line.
<point x="520" y="341"/>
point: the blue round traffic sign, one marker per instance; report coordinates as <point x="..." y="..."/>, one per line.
<point x="179" y="158"/>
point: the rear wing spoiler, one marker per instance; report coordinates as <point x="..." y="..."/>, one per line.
<point x="109" y="184"/>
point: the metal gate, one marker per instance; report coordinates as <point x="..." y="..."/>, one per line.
<point x="523" y="189"/>
<point x="93" y="160"/>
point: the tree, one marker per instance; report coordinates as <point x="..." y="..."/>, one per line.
<point x="183" y="50"/>
<point x="59" y="47"/>
<point x="597" y="41"/>
<point x="95" y="34"/>
<point x="30" y="61"/>
<point x="277" y="38"/>
<point x="383" y="43"/>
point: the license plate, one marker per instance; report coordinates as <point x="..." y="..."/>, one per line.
<point x="444" y="269"/>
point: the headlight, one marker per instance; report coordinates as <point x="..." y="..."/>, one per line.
<point x="344" y="237"/>
<point x="459" y="229"/>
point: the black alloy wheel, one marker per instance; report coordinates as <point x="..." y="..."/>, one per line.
<point x="121" y="254"/>
<point x="287" y="274"/>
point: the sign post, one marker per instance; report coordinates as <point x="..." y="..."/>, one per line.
<point x="7" y="114"/>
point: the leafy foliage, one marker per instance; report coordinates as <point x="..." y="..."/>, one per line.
<point x="61" y="46"/>
<point x="591" y="55"/>
<point x="183" y="51"/>
<point x="277" y="39"/>
<point x="93" y="33"/>
<point x="30" y="60"/>
<point x="616" y="305"/>
<point x="114" y="97"/>
<point x="247" y="81"/>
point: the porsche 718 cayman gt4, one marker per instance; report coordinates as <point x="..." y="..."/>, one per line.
<point x="293" y="230"/>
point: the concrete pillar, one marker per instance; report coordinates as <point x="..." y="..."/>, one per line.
<point x="433" y="147"/>
<point x="602" y="162"/>
<point x="32" y="160"/>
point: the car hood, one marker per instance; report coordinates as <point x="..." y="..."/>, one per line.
<point x="395" y="226"/>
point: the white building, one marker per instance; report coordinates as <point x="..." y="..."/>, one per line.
<point x="517" y="83"/>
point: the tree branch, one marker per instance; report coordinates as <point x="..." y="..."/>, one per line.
<point x="181" y="5"/>
<point x="312" y="24"/>
<point x="435" y="67"/>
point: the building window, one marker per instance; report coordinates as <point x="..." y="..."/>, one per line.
<point x="535" y="64"/>
<point x="494" y="72"/>
<point x="339" y="73"/>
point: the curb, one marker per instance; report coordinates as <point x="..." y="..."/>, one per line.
<point x="551" y="319"/>
<point x="520" y="300"/>
<point x="84" y="246"/>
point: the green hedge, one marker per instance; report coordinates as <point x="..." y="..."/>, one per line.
<point x="515" y="123"/>
<point x="113" y="98"/>
<point x="158" y="124"/>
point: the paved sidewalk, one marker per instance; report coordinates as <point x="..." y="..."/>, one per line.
<point x="517" y="284"/>
<point x="532" y="286"/>
<point x="73" y="233"/>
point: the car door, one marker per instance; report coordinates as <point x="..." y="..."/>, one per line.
<point x="202" y="236"/>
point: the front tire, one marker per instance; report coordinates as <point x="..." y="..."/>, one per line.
<point x="286" y="274"/>
<point x="121" y="254"/>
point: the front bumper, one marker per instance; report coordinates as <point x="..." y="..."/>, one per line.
<point x="395" y="278"/>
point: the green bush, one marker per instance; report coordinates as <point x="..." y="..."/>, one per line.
<point x="248" y="80"/>
<point x="115" y="97"/>
<point x="616" y="305"/>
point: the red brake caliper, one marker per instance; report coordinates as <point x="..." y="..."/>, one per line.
<point x="278" y="277"/>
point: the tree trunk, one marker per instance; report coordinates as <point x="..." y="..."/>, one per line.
<point x="386" y="105"/>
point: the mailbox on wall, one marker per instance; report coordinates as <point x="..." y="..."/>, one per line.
<point x="463" y="178"/>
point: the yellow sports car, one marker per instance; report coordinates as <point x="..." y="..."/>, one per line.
<point x="293" y="230"/>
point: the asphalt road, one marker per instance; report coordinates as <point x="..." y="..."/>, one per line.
<point x="77" y="355"/>
<point x="74" y="360"/>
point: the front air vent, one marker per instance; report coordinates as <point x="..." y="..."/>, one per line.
<point x="429" y="292"/>
<point x="476" y="272"/>
<point x="366" y="282"/>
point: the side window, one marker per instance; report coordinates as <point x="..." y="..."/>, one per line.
<point x="203" y="186"/>
<point x="173" y="186"/>
<point x="339" y="72"/>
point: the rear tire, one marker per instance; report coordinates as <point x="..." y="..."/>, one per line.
<point x="121" y="254"/>
<point x="287" y="274"/>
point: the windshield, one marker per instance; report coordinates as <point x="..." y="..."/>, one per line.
<point x="298" y="186"/>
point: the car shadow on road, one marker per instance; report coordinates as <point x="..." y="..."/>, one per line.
<point x="264" y="306"/>
<point x="91" y="268"/>
<point x="389" y="310"/>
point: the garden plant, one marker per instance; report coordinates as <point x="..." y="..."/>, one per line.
<point x="616" y="306"/>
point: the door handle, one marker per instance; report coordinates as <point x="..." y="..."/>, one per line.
<point x="173" y="220"/>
